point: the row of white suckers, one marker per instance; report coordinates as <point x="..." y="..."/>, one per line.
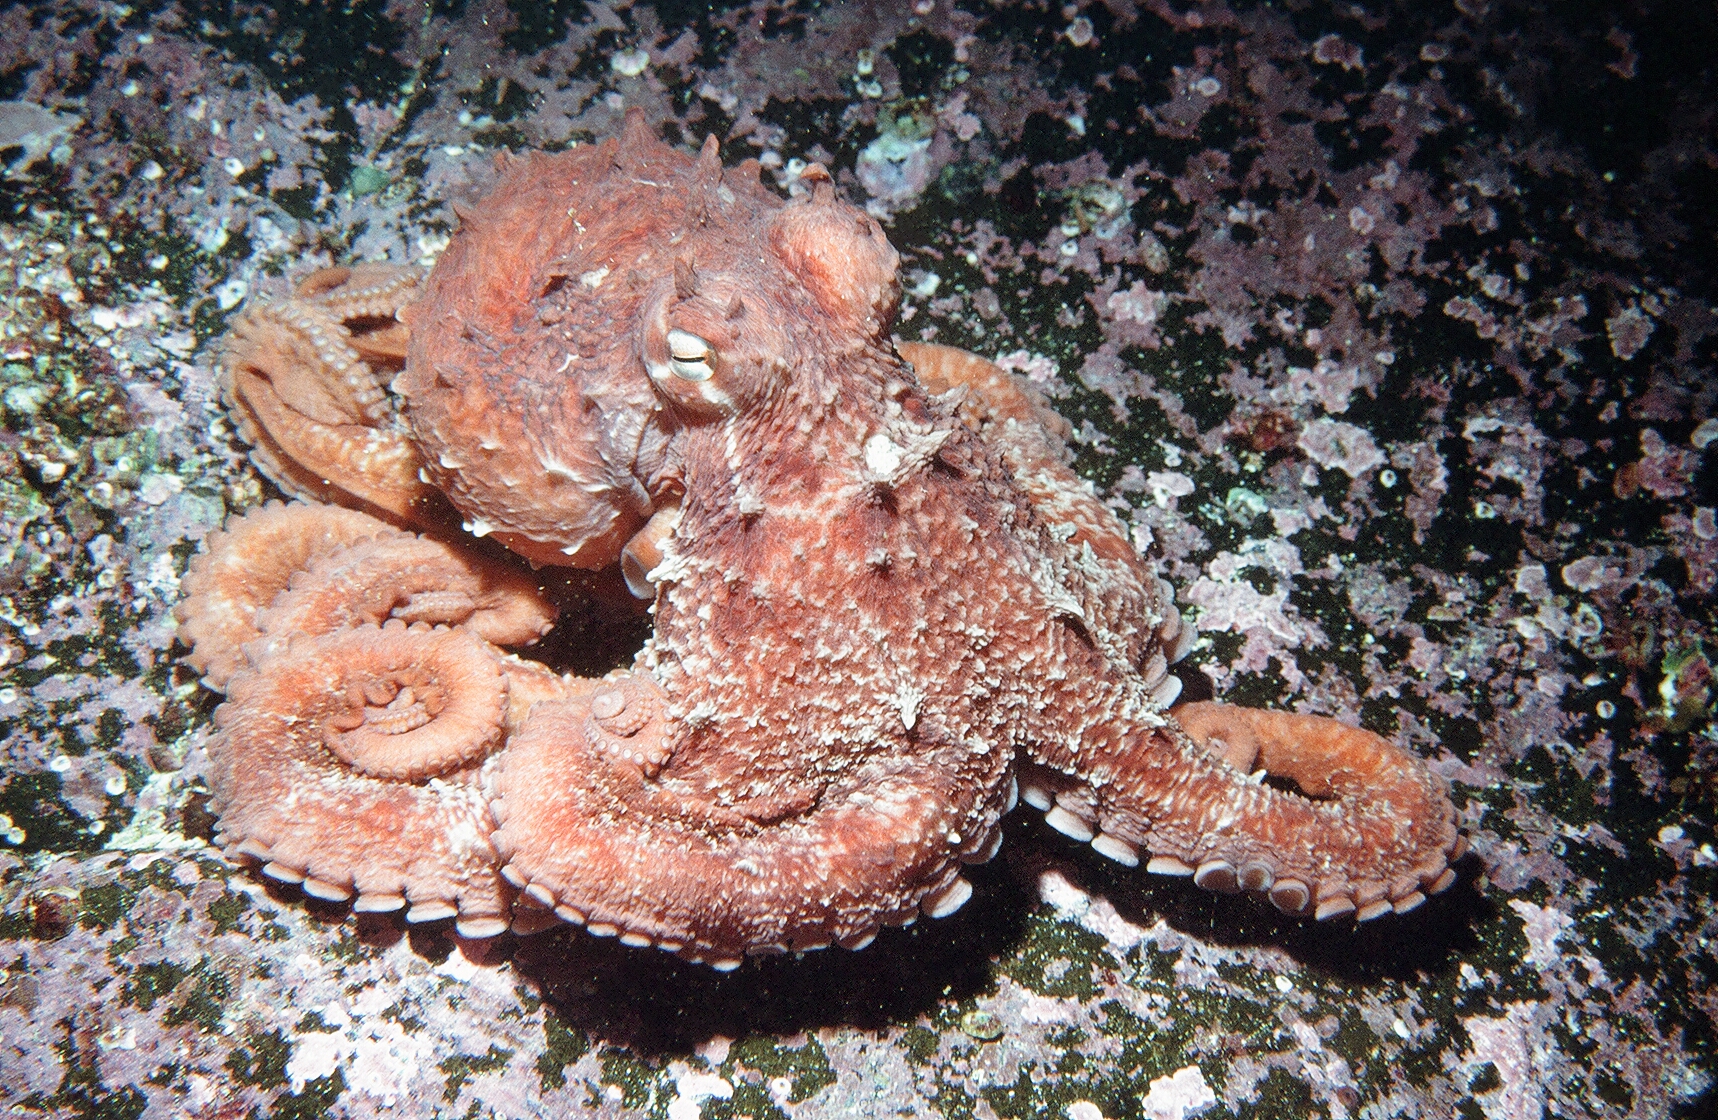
<point x="1291" y="896"/>
<point x="537" y="907"/>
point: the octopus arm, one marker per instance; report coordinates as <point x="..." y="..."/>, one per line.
<point x="413" y="579"/>
<point x="1369" y="828"/>
<point x="284" y="571"/>
<point x="301" y="384"/>
<point x="244" y="567"/>
<point x="587" y="832"/>
<point x="993" y="395"/>
<point x="1102" y="567"/>
<point x="349" y="765"/>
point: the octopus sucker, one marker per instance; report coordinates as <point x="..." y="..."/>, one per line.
<point x="1069" y="824"/>
<point x="946" y="900"/>
<point x="327" y="892"/>
<point x="1335" y="907"/>
<point x="283" y="873"/>
<point x="884" y="607"/>
<point x="528" y="920"/>
<point x="1117" y="849"/>
<point x="1216" y="875"/>
<point x="1408" y="902"/>
<point x="478" y="928"/>
<point x="434" y="910"/>
<point x="1290" y="896"/>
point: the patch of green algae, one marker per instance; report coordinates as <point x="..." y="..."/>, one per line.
<point x="260" y="1059"/>
<point x="227" y="912"/>
<point x="460" y="1068"/>
<point x="1056" y="959"/>
<point x="635" y="1078"/>
<point x="104" y="905"/>
<point x="314" y="1103"/>
<point x="562" y="1046"/>
<point x="149" y="982"/>
<point x="204" y="1002"/>
<point x="1244" y="1010"/>
<point x="806" y="1067"/>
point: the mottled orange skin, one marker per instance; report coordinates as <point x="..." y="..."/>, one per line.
<point x="882" y="614"/>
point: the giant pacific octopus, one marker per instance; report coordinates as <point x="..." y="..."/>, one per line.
<point x="885" y="607"/>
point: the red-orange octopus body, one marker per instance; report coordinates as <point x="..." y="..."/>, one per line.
<point x="885" y="609"/>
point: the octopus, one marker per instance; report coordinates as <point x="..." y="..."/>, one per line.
<point x="884" y="609"/>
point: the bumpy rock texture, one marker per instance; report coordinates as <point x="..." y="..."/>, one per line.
<point x="1387" y="332"/>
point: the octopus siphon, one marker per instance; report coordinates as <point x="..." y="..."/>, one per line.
<point x="884" y="608"/>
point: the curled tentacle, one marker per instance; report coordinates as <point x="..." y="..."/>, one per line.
<point x="1369" y="830"/>
<point x="304" y="381"/>
<point x="644" y="551"/>
<point x="593" y="826"/>
<point x="367" y="300"/>
<point x="413" y="579"/>
<point x="244" y="566"/>
<point x="349" y="763"/>
<point x="1396" y="813"/>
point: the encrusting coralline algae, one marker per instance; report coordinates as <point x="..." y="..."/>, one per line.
<point x="1388" y="332"/>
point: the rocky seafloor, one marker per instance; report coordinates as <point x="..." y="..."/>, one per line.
<point x="1390" y="328"/>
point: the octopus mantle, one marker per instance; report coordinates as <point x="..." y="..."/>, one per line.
<point x="885" y="609"/>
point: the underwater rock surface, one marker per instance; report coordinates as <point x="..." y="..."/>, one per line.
<point x="1389" y="331"/>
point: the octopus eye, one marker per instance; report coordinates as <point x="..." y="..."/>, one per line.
<point x="689" y="356"/>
